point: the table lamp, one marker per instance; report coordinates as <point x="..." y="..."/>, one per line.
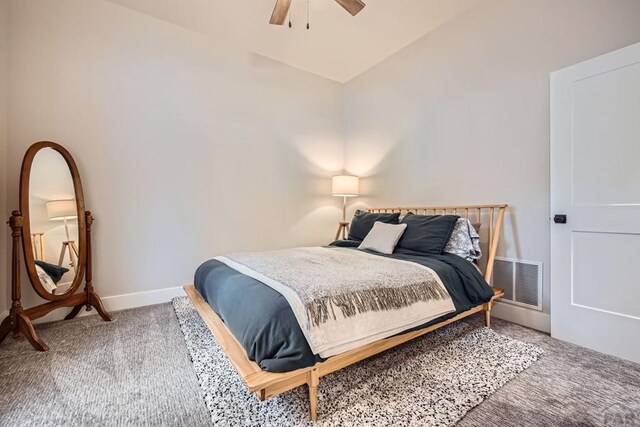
<point x="344" y="186"/>
<point x="64" y="210"/>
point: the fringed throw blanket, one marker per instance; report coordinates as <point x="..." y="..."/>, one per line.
<point x="345" y="298"/>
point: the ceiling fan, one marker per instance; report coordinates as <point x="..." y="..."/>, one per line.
<point x="282" y="7"/>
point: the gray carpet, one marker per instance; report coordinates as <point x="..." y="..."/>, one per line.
<point x="136" y="371"/>
<point x="133" y="371"/>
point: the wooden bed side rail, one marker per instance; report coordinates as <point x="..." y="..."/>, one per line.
<point x="276" y="383"/>
<point x="491" y="215"/>
<point x="234" y="350"/>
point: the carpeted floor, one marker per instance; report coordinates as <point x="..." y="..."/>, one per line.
<point x="136" y="371"/>
<point x="132" y="371"/>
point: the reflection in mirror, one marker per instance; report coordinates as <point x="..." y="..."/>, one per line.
<point x="53" y="221"/>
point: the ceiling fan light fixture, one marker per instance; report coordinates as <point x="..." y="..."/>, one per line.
<point x="352" y="6"/>
<point x="281" y="9"/>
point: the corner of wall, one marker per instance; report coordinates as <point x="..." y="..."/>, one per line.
<point x="523" y="316"/>
<point x="4" y="128"/>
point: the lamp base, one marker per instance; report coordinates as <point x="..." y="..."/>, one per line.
<point x="343" y="228"/>
<point x="73" y="253"/>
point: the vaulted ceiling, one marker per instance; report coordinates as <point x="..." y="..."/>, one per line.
<point x="338" y="46"/>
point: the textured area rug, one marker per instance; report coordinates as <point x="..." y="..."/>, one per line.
<point x="430" y="381"/>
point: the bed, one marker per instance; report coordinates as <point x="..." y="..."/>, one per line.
<point x="261" y="330"/>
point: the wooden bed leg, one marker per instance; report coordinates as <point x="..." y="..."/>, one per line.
<point x="487" y="314"/>
<point x="313" y="380"/>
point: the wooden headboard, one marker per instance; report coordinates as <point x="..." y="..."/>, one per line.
<point x="483" y="214"/>
<point x="37" y="241"/>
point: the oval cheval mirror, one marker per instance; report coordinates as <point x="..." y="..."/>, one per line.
<point x="54" y="231"/>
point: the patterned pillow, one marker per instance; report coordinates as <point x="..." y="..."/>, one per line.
<point x="464" y="240"/>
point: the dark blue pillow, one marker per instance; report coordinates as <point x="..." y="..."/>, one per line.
<point x="54" y="271"/>
<point x="362" y="223"/>
<point x="427" y="233"/>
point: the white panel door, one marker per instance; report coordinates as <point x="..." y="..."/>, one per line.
<point x="595" y="182"/>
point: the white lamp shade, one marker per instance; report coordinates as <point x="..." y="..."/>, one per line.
<point x="344" y="185"/>
<point x="61" y="209"/>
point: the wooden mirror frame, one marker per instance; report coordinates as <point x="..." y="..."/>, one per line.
<point x="27" y="244"/>
<point x="19" y="318"/>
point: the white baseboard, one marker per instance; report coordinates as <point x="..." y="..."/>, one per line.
<point x="140" y="299"/>
<point x="118" y="302"/>
<point x="523" y="316"/>
<point x="512" y="313"/>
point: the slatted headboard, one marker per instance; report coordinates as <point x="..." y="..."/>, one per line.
<point x="493" y="214"/>
<point x="38" y="244"/>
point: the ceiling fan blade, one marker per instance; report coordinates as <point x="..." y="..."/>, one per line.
<point x="352" y="6"/>
<point x="280" y="12"/>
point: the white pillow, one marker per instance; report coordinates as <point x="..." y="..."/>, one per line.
<point x="383" y="237"/>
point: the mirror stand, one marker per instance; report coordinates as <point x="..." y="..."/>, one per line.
<point x="20" y="319"/>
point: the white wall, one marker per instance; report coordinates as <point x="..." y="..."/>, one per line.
<point x="4" y="236"/>
<point x="187" y="147"/>
<point x="462" y="114"/>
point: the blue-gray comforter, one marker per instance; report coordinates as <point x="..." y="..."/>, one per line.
<point x="263" y="322"/>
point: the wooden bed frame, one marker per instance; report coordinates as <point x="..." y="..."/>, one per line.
<point x="267" y="384"/>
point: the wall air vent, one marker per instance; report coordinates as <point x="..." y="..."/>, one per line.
<point x="521" y="281"/>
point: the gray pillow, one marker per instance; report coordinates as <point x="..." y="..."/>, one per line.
<point x="427" y="233"/>
<point x="362" y="223"/>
